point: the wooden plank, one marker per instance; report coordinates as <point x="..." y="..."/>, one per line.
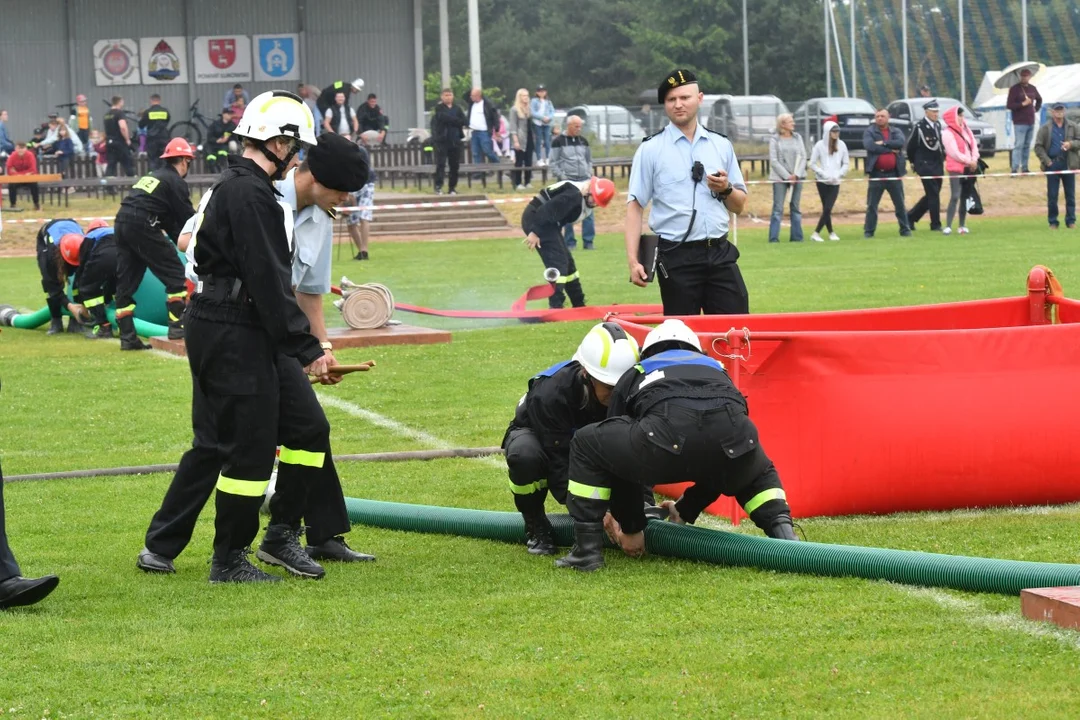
<point x="1058" y="605"/>
<point x="39" y="178"/>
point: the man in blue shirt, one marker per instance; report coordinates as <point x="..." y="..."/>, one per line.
<point x="697" y="265"/>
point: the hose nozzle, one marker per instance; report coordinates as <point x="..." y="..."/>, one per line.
<point x="551" y="275"/>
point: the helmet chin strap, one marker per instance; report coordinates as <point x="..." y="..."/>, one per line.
<point x="282" y="164"/>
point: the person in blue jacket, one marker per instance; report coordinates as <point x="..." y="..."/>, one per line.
<point x="55" y="272"/>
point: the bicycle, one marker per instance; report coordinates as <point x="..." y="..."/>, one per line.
<point x="188" y="129"/>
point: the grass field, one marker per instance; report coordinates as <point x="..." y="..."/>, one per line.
<point x="450" y="627"/>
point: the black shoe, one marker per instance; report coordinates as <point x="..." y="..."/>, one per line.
<point x="236" y="568"/>
<point x="337" y="549"/>
<point x="74" y="326"/>
<point x="55" y="327"/>
<point x="135" y="344"/>
<point x="587" y="246"/>
<point x="176" y="332"/>
<point x="868" y="236"/>
<point x="100" y="332"/>
<point x="587" y="554"/>
<point x="363" y="255"/>
<point x="656" y="512"/>
<point x="781" y="528"/>
<point x="359" y="256"/>
<point x="151" y="562"/>
<point x="571" y="244"/>
<point x="905" y="233"/>
<point x="281" y="547"/>
<point x="19" y="591"/>
<point x="539" y="535"/>
<point x="129" y="339"/>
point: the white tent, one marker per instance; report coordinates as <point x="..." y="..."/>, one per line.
<point x="1056" y="84"/>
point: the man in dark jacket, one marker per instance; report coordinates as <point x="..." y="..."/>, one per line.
<point x="326" y="97"/>
<point x="155" y="120"/>
<point x="885" y="165"/>
<point x="447" y="122"/>
<point x="483" y="120"/>
<point x="1023" y="102"/>
<point x="928" y="160"/>
<point x="1057" y="145"/>
<point x="371" y="117"/>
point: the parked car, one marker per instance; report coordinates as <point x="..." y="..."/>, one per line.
<point x="909" y="111"/>
<point x="745" y="117"/>
<point x="600" y="120"/>
<point x="853" y="115"/>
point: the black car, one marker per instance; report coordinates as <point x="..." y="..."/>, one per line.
<point x="853" y="115"/>
<point x="909" y="111"/>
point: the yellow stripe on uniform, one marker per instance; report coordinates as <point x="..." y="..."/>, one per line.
<point x="533" y="487"/>
<point x="588" y="491"/>
<point x="94" y="302"/>
<point x="177" y="295"/>
<point x="302" y="457"/>
<point x="563" y="279"/>
<point x="125" y="311"/>
<point x="244" y="488"/>
<point x="763" y="497"/>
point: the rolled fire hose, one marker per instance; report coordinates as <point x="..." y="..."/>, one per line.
<point x="725" y="548"/>
<point x="10" y="317"/>
<point x="365" y="307"/>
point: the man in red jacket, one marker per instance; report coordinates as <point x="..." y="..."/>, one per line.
<point x="22" y="162"/>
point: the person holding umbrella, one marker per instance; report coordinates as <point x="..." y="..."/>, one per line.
<point x="1024" y="102"/>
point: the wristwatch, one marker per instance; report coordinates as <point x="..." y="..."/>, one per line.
<point x="722" y="196"/>
<point x="326" y="346"/>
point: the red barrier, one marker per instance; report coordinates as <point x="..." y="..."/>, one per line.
<point x="907" y="409"/>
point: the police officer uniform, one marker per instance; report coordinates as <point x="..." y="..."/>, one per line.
<point x="158" y="203"/>
<point x="303" y="489"/>
<point x="117" y="150"/>
<point x="674" y="417"/>
<point x="546" y="214"/>
<point x="96" y="279"/>
<point x="927" y="155"/>
<point x="697" y="266"/>
<point x="49" y="265"/>
<point x="156" y="123"/>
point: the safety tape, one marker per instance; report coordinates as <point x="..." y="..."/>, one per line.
<point x="923" y="177"/>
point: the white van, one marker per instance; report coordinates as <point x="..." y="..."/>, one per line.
<point x="602" y="120"/>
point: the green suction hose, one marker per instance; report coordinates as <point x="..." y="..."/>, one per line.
<point x="724" y="548"/>
<point x="31" y="320"/>
<point x="28" y="321"/>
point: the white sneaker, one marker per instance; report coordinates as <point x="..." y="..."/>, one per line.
<point x="962" y="230"/>
<point x="946" y="230"/>
<point x="817" y="238"/>
<point x="833" y="236"/>
<point x="520" y="188"/>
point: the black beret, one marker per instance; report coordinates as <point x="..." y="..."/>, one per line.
<point x="337" y="163"/>
<point x="676" y="78"/>
<point x="932" y="105"/>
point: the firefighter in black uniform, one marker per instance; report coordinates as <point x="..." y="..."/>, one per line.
<point x="674" y="417"/>
<point x="155" y="120"/>
<point x="118" y="140"/>
<point x="325" y="101"/>
<point x="158" y="203"/>
<point x="561" y="399"/>
<point x="54" y="272"/>
<point x="542" y="222"/>
<point x="217" y="140"/>
<point x="246" y="338"/>
<point x="95" y="283"/>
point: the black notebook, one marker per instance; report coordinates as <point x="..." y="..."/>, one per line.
<point x="648" y="250"/>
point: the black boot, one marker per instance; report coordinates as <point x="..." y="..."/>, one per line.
<point x="176" y="319"/>
<point x="129" y="339"/>
<point x="779" y="527"/>
<point x="576" y="294"/>
<point x="540" y="536"/>
<point x="235" y="567"/>
<point x="56" y="326"/>
<point x="101" y="328"/>
<point x="281" y="547"/>
<point x="588" y="552"/>
<point x="74" y="326"/>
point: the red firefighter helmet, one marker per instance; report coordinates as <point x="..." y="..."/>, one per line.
<point x="178" y="147"/>
<point x="95" y="224"/>
<point x="602" y="190"/>
<point x="69" y="248"/>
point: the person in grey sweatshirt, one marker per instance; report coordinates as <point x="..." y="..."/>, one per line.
<point x="787" y="170"/>
<point x="571" y="159"/>
<point x="829" y="161"/>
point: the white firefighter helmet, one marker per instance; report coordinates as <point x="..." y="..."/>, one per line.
<point x="671" y="331"/>
<point x="277" y="113"/>
<point x="607" y="352"/>
<point x="358" y="84"/>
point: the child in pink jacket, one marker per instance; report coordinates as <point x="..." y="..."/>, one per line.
<point x="961" y="158"/>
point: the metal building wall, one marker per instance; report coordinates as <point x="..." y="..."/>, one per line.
<point x="339" y="40"/>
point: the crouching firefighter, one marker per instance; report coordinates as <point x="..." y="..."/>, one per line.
<point x="563" y="203"/>
<point x="568" y="395"/>
<point x="55" y="271"/>
<point x="95" y="282"/>
<point x="674" y="417"/>
<point x="158" y="203"/>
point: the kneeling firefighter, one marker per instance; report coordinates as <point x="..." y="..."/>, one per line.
<point x="55" y="271"/>
<point x="95" y="257"/>
<point x="542" y="221"/>
<point x="674" y="417"/>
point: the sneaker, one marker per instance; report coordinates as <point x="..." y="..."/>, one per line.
<point x="337" y="549"/>
<point x="281" y="547"/>
<point x="817" y="238"/>
<point x="236" y="568"/>
<point x="1052" y="227"/>
<point x="963" y="230"/>
<point x="946" y="230"/>
<point x="587" y="246"/>
<point x="868" y="236"/>
<point x="151" y="562"/>
<point x="520" y="188"/>
<point x="452" y="192"/>
<point x="438" y="191"/>
<point x="833" y="236"/>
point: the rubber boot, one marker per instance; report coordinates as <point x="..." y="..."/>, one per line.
<point x="129" y="339"/>
<point x="56" y="326"/>
<point x="779" y="527"/>
<point x="176" y="319"/>
<point x="575" y="293"/>
<point x="588" y="552"/>
<point x="540" y="536"/>
<point x="101" y="328"/>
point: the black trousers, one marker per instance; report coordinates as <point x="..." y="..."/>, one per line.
<point x="302" y="491"/>
<point x="530" y="471"/>
<point x="97" y="276"/>
<point x="9" y="568"/>
<point x="717" y="449"/>
<point x="13" y="193"/>
<point x="930" y="202"/>
<point x="554" y="254"/>
<point x="50" y="282"/>
<point x="701" y="277"/>
<point x="447" y="154"/>
<point x="118" y="153"/>
<point x="523" y="158"/>
<point x="828" y="194"/>
<point x="880" y="183"/>
<point x="138" y="247"/>
<point x="154" y="148"/>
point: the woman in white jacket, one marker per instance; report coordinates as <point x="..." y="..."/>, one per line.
<point x="829" y="161"/>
